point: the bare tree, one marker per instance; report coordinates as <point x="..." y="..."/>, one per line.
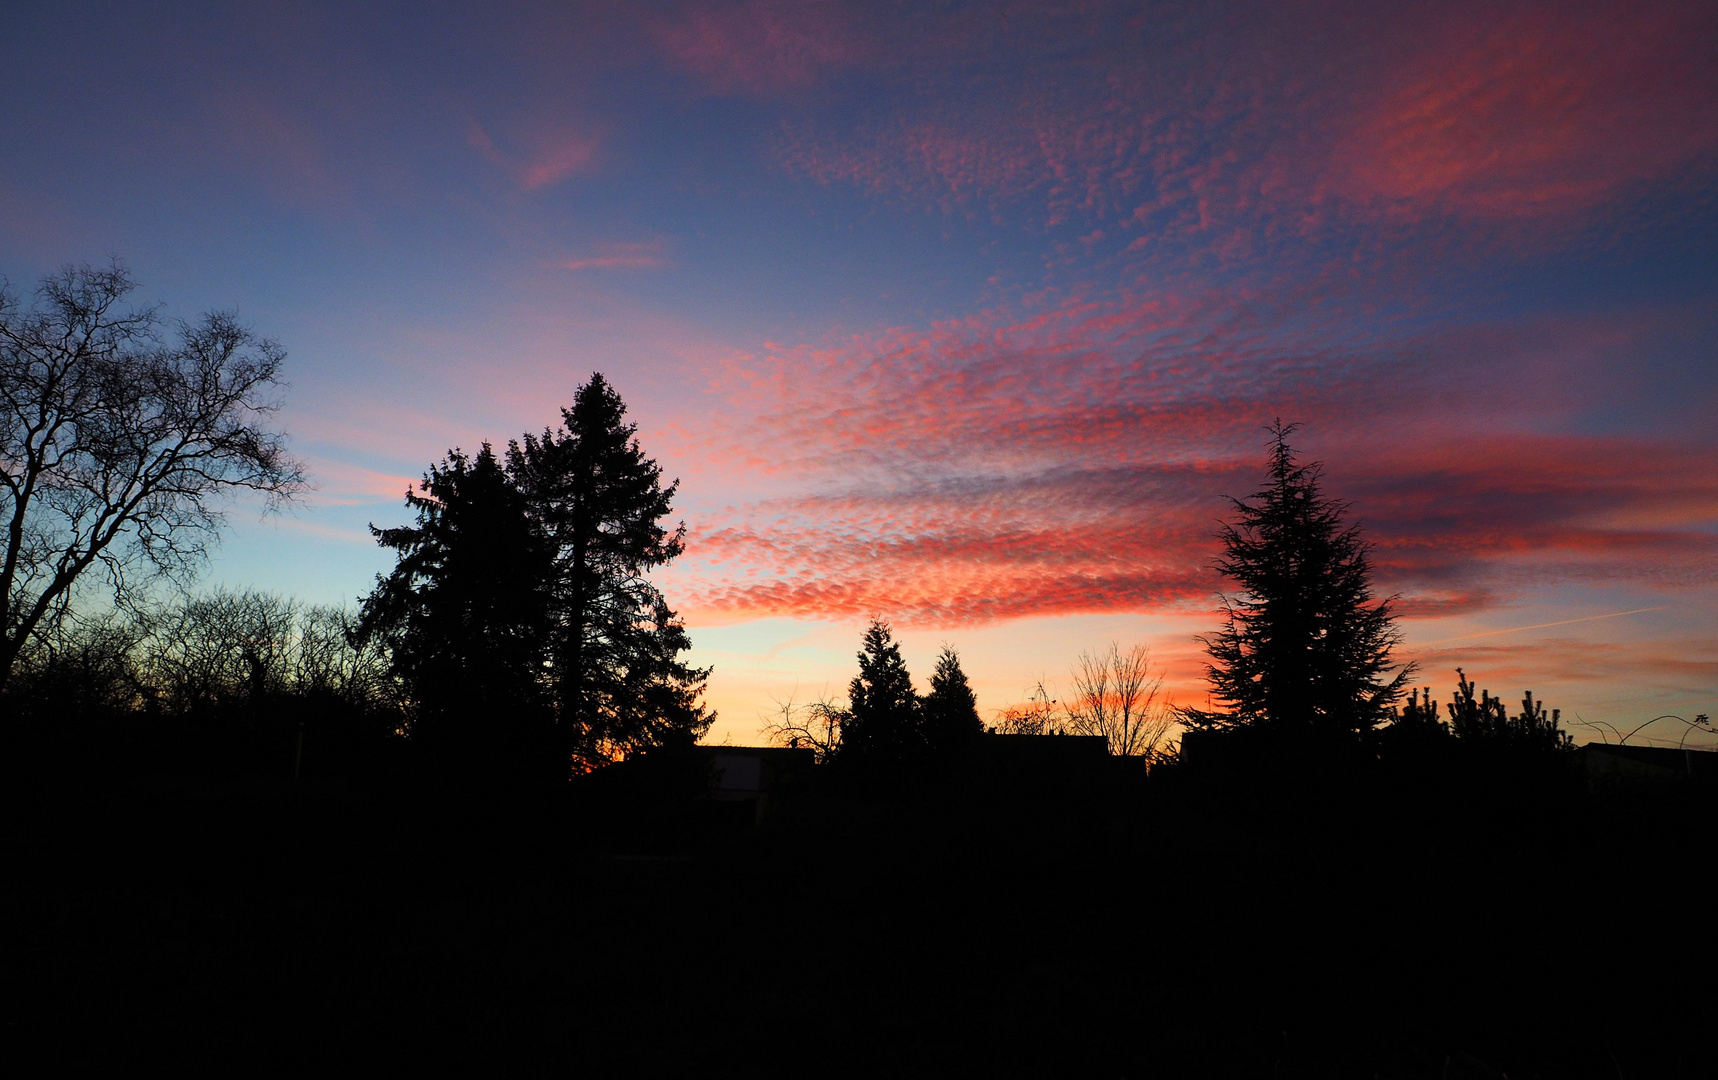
<point x="334" y="661"/>
<point x="79" y="667"/>
<point x="233" y="647"/>
<point x="120" y="432"/>
<point x="1041" y="714"/>
<point x="220" y="648"/>
<point x="1117" y="696"/>
<point x="817" y="725"/>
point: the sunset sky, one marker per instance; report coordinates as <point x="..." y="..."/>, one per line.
<point x="964" y="315"/>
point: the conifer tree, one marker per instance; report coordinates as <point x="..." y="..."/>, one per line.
<point x="613" y="646"/>
<point x="523" y="593"/>
<point x="463" y="614"/>
<point x="950" y="710"/>
<point x="1304" y="647"/>
<point x="882" y="729"/>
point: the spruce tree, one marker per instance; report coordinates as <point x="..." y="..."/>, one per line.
<point x="1305" y="649"/>
<point x="613" y="646"/>
<point x="882" y="730"/>
<point x="950" y="710"/>
<point x="521" y="599"/>
<point x="463" y="614"/>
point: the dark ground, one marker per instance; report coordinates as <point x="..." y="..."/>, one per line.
<point x="1463" y="923"/>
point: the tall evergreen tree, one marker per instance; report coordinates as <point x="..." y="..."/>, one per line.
<point x="520" y="600"/>
<point x="882" y="730"/>
<point x="1304" y="647"/>
<point x="613" y="646"/>
<point x="464" y="612"/>
<point x="950" y="710"/>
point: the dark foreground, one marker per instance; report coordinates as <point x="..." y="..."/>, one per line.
<point x="1271" y="924"/>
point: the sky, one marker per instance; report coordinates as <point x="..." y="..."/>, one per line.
<point x="966" y="316"/>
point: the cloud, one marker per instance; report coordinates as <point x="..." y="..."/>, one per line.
<point x="1683" y="665"/>
<point x="763" y="46"/>
<point x="1220" y="142"/>
<point x="1304" y="233"/>
<point x="959" y="554"/>
<point x="1076" y="456"/>
<point x="647" y="255"/>
<point x="552" y="155"/>
<point x="1542" y="110"/>
<point x="343" y="484"/>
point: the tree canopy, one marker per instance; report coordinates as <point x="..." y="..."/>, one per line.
<point x="464" y="613"/>
<point x="1304" y="647"/>
<point x="613" y="645"/>
<point x="523" y="588"/>
<point x="883" y="725"/>
<point x="120" y="432"/>
<point x="950" y="710"/>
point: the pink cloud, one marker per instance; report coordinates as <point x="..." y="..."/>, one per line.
<point x="553" y="155"/>
<point x="648" y="255"/>
<point x="341" y="483"/>
<point x="1075" y="457"/>
<point x="1256" y="133"/>
<point x="1539" y="111"/>
<point x="763" y="46"/>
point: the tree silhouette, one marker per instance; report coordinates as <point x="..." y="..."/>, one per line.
<point x="1485" y="721"/>
<point x="521" y="595"/>
<point x="1305" y="648"/>
<point x="465" y="612"/>
<point x="816" y="725"/>
<point x="950" y="711"/>
<point x="883" y="725"/>
<point x="1117" y="696"/>
<point x="1040" y="714"/>
<point x="117" y="443"/>
<point x="613" y="643"/>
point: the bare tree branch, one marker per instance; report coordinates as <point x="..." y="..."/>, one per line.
<point x="816" y="724"/>
<point x="118" y="443"/>
<point x="1117" y="696"/>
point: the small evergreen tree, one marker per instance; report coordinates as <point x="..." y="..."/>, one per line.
<point x="1485" y="722"/>
<point x="883" y="727"/>
<point x="1304" y="647"/>
<point x="950" y="710"/>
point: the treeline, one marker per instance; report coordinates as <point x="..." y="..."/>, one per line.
<point x="884" y="725"/>
<point x="518" y="634"/>
<point x="220" y="655"/>
<point x="227" y="684"/>
<point x="1302" y="666"/>
<point x="519" y="617"/>
<point x="1482" y="721"/>
<point x="518" y="637"/>
<point x="1304" y="661"/>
